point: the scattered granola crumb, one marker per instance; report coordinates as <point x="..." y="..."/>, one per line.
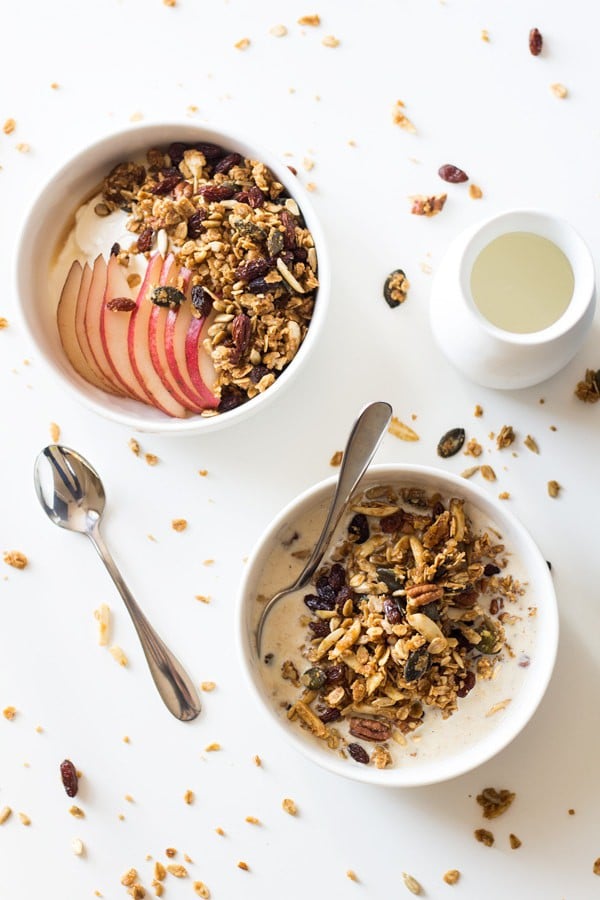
<point x="514" y="841"/>
<point x="160" y="873"/>
<point x="177" y="870"/>
<point x="412" y="884"/>
<point x="495" y="802"/>
<point x="330" y="41"/>
<point x="497" y="707"/>
<point x="77" y="812"/>
<point x="485" y="35"/>
<point x="3" y="323"/>
<point x="39" y="729"/>
<point x="151" y="459"/>
<point x="308" y="164"/>
<point x="23" y="147"/>
<point x="203" y="473"/>
<point x="152" y="538"/>
<point x="474" y="448"/>
<point x="401" y="119"/>
<point x="278" y="31"/>
<point x="170" y="852"/>
<point x="202" y="598"/>
<point x="25" y="820"/>
<point x="451" y="876"/>
<point x="559" y="90"/>
<point x="158" y="888"/>
<point x="179" y="524"/>
<point x="5" y="813"/>
<point x="588" y="390"/>
<point x="531" y="444"/>
<point x="336" y="459"/>
<point x="505" y="437"/>
<point x="77" y="846"/>
<point x="15" y="558"/>
<point x="9" y="126"/>
<point x="188" y="797"/>
<point x="201" y="889"/>
<point x="118" y="655"/>
<point x="243" y="865"/>
<point x="488" y="473"/>
<point x="571" y="812"/>
<point x="313" y="21"/>
<point x="129" y="877"/>
<point x="402" y="431"/>
<point x="102" y="616"/>
<point x="311" y="187"/>
<point x="596" y="868"/>
<point x="126" y="739"/>
<point x="478" y="411"/>
<point x="133" y="280"/>
<point x="212" y="748"/>
<point x="468" y="473"/>
<point x="553" y="488"/>
<point x="129" y="798"/>
<point x="257" y="761"/>
<point x="289" y="806"/>
<point x="134" y="447"/>
<point x="9" y="712"/>
<point x="170" y="2"/>
<point x="55" y="85"/>
<point x="242" y="44"/>
<point x="428" y="206"/>
<point x="504" y="495"/>
<point x="351" y="874"/>
<point x="220" y="831"/>
<point x="208" y="686"/>
<point x="252" y="820"/>
<point x="484" y="836"/>
<point x="475" y="192"/>
<point x="208" y="562"/>
<point x="54" y="432"/>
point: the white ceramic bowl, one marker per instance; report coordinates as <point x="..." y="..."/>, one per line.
<point x="50" y="217"/>
<point x="503" y="726"/>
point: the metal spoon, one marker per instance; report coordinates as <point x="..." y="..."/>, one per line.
<point x="72" y="495"/>
<point x="363" y="441"/>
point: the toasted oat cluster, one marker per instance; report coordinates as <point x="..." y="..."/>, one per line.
<point x="408" y="615"/>
<point x="244" y="240"/>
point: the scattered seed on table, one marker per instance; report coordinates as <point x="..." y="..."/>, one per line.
<point x="514" y="841"/>
<point x="536" y="42"/>
<point x="484" y="836"/>
<point x="289" y="806"/>
<point x="451" y="876"/>
<point x="412" y="884"/>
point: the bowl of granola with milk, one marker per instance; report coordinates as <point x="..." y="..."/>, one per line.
<point x="174" y="277"/>
<point x="424" y="642"/>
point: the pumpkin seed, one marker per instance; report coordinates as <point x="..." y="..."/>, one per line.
<point x="275" y="242"/>
<point x="490" y="638"/>
<point x="165" y="295"/>
<point x="417" y="664"/>
<point x="314" y="678"/>
<point x="451" y="442"/>
<point x="389" y="578"/>
<point x="395" y="288"/>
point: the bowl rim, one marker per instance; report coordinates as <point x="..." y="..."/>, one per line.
<point x="439" y="769"/>
<point x="92" y="397"/>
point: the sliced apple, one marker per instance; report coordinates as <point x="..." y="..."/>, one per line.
<point x="95" y="376"/>
<point x="77" y="277"/>
<point x="93" y="310"/>
<point x="139" y="349"/>
<point x="178" y="325"/>
<point x="171" y="275"/>
<point x="114" y="328"/>
<point x="199" y="363"/>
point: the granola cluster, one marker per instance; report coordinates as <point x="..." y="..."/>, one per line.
<point x="244" y="240"/>
<point x="408" y="615"/>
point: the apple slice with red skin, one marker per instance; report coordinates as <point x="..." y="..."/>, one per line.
<point x="78" y="279"/>
<point x="172" y="276"/>
<point x="95" y="375"/>
<point x="93" y="310"/>
<point x="114" y="328"/>
<point x="139" y="349"/>
<point x="178" y="325"/>
<point x="199" y="363"/>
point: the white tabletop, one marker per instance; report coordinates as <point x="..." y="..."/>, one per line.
<point x="485" y="106"/>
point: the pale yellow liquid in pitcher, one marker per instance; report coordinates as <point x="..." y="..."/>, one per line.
<point x="522" y="282"/>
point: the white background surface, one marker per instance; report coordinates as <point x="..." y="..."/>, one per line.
<point x="484" y="106"/>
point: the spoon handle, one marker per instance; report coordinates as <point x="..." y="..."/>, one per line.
<point x="363" y="441"/>
<point x="174" y="684"/>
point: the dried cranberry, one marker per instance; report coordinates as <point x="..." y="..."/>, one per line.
<point x="289" y="237"/>
<point x="231" y="398"/>
<point x="293" y="170"/>
<point x="337" y="576"/>
<point x="176" y="151"/>
<point x="467" y="685"/>
<point x="194" y="224"/>
<point x="144" y="241"/>
<point x="300" y="254"/>
<point x="329" y="714"/>
<point x="252" y="269"/>
<point x="115" y="249"/>
<point x="345" y="593"/>
<point x="452" y="174"/>
<point x="68" y="773"/>
<point x="535" y="42"/>
<point x="359" y="528"/>
<point x="358" y="753"/>
<point x="319" y="628"/>
<point x="121" y="304"/>
<point x="227" y="163"/>
<point x="166" y="185"/>
<point x="314" y="602"/>
<point x="256" y="198"/>
<point x="214" y="193"/>
<point x="209" y="151"/>
<point x="201" y="301"/>
<point x="259" y="286"/>
<point x="241" y="332"/>
<point x="335" y="674"/>
<point x="491" y="569"/>
<point x="389" y="524"/>
<point x="258" y="373"/>
<point x="392" y="611"/>
<point x="325" y="590"/>
<point x="438" y="509"/>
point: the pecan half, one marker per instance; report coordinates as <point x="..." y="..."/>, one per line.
<point x="421" y="594"/>
<point x="369" y="729"/>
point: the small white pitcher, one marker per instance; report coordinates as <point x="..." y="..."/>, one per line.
<point x="489" y="355"/>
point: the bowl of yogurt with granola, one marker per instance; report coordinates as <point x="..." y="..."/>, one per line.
<point x="175" y="277"/>
<point x="423" y="644"/>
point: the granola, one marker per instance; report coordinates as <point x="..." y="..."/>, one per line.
<point x="402" y="621"/>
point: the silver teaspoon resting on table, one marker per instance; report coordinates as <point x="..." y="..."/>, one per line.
<point x="73" y="497"/>
<point x="362" y="443"/>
